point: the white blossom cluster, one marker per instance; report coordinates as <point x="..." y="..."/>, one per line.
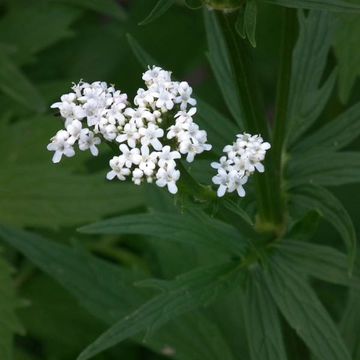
<point x="242" y="159"/>
<point x="151" y="135"/>
<point x="89" y="110"/>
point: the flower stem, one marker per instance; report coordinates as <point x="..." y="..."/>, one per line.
<point x="253" y="114"/>
<point x="289" y="28"/>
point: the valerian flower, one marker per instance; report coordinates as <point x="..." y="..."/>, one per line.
<point x="242" y="159"/>
<point x="152" y="135"/>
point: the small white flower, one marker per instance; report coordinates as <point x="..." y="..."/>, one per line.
<point x="167" y="157"/>
<point x="74" y="130"/>
<point x="184" y="97"/>
<point x="118" y="169"/>
<point x="130" y="156"/>
<point x="168" y="177"/>
<point x="242" y="159"/>
<point x="60" y="146"/>
<point x="151" y="135"/>
<point x="87" y="141"/>
<point x="165" y="100"/>
<point x="130" y="133"/>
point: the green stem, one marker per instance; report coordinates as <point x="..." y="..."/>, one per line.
<point x="289" y="28"/>
<point x="269" y="215"/>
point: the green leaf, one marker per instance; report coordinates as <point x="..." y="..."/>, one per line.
<point x="329" y="5"/>
<point x="307" y="99"/>
<point x="347" y="53"/>
<point x="324" y="168"/>
<point x="320" y="199"/>
<point x="107" y="7"/>
<point x="44" y="195"/>
<point x="197" y="288"/>
<point x="240" y="23"/>
<point x="219" y="60"/>
<point x="188" y="229"/>
<point x="9" y="323"/>
<point x="262" y="322"/>
<point x="108" y="292"/>
<point x="23" y="28"/>
<point x="350" y="324"/>
<point x="303" y="311"/>
<point x="103" y="289"/>
<point x="160" y="8"/>
<point x="17" y="86"/>
<point x="305" y="228"/>
<point x="250" y="20"/>
<point x="335" y="135"/>
<point x="321" y="262"/>
<point x="141" y="55"/>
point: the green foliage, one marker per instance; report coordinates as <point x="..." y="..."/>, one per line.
<point x="202" y="286"/>
<point x="262" y="322"/>
<point x="347" y="34"/>
<point x="300" y="306"/>
<point x="160" y="8"/>
<point x="9" y="323"/>
<point x="190" y="277"/>
<point x="330" y="5"/>
<point x="311" y="197"/>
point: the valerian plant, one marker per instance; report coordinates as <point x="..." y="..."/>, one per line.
<point x="247" y="193"/>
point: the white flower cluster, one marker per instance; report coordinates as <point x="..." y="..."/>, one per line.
<point x="242" y="159"/>
<point x="152" y="135"/>
<point x="88" y="110"/>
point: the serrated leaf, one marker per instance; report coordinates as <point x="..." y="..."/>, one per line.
<point x="17" y="86"/>
<point x="160" y="8"/>
<point x="329" y="5"/>
<point x="307" y="97"/>
<point x="319" y="261"/>
<point x="324" y="168"/>
<point x="347" y="53"/>
<point x="197" y="288"/>
<point x="219" y="60"/>
<point x="320" y="199"/>
<point x="335" y="135"/>
<point x="303" y="311"/>
<point x="250" y="20"/>
<point x="108" y="292"/>
<point x="9" y="323"/>
<point x="189" y="229"/>
<point x="262" y="322"/>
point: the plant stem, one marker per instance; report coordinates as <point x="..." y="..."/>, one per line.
<point x="289" y="28"/>
<point x="269" y="214"/>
